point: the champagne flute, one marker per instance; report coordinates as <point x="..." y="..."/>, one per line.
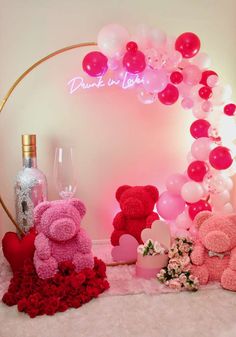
<point x="64" y="172"/>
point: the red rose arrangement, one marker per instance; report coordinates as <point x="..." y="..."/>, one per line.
<point x="67" y="289"/>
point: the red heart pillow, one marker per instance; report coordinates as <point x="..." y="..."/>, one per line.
<point x="16" y="250"/>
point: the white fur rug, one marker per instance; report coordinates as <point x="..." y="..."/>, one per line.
<point x="210" y="312"/>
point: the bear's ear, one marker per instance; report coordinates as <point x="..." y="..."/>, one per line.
<point x="39" y="210"/>
<point x="153" y="191"/>
<point x="201" y="217"/>
<point x="121" y="190"/>
<point x="79" y="206"/>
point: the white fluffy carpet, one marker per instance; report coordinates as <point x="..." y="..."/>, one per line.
<point x="209" y="313"/>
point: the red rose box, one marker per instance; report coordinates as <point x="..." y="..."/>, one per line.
<point x="67" y="289"/>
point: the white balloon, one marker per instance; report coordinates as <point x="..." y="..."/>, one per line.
<point x="142" y="36"/>
<point x="192" y="191"/>
<point x="112" y="40"/>
<point x="229" y="183"/>
<point x="219" y="200"/>
<point x="221" y="94"/>
<point x="228" y="208"/>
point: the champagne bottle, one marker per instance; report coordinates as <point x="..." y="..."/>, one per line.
<point x="30" y="186"/>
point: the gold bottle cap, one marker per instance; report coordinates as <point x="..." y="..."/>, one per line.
<point x="28" y="145"/>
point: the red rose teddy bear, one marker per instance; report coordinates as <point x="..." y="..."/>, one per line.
<point x="214" y="255"/>
<point x="136" y="205"/>
<point x="60" y="237"/>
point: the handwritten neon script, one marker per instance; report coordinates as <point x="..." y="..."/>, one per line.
<point x="126" y="82"/>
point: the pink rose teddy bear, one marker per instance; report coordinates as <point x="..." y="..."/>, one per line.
<point x="60" y="237"/>
<point x="214" y="254"/>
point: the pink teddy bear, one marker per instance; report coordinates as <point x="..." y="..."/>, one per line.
<point x="214" y="254"/>
<point x="60" y="237"/>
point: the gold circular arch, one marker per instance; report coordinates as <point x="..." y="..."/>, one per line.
<point x="12" y="88"/>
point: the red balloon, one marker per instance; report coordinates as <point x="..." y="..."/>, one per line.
<point x="200" y="128"/>
<point x="230" y="109"/>
<point x="95" y="64"/>
<point x="176" y="77"/>
<point x="132" y="46"/>
<point x="205" y="92"/>
<point x="188" y="44"/>
<point x="205" y="76"/>
<point x="198" y="207"/>
<point x="220" y="158"/>
<point x="169" y="95"/>
<point x="134" y="62"/>
<point x="197" y="170"/>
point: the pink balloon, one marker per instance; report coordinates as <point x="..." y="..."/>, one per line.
<point x="187" y="103"/>
<point x="219" y="200"/>
<point x="112" y="40"/>
<point x="191" y="75"/>
<point x="192" y="191"/>
<point x="206" y="106"/>
<point x="201" y="148"/>
<point x="169" y="206"/>
<point x="183" y="221"/>
<point x="175" y="182"/>
<point x="155" y="80"/>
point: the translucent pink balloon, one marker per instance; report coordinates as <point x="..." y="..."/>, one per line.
<point x="212" y="80"/>
<point x="187" y="103"/>
<point x="173" y="59"/>
<point x="112" y="40"/>
<point x="175" y="182"/>
<point x="202" y="60"/>
<point x="192" y="192"/>
<point x="155" y="80"/>
<point x="215" y="182"/>
<point x="191" y="75"/>
<point x="201" y="148"/>
<point x="183" y="221"/>
<point x="158" y="37"/>
<point x="199" y="113"/>
<point x="169" y="206"/>
<point x="146" y="97"/>
<point x="207" y="106"/>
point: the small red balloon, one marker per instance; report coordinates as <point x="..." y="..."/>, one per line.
<point x="200" y="128"/>
<point x="220" y="158"/>
<point x="198" y="207"/>
<point x="176" y="77"/>
<point x="230" y="109"/>
<point x="205" y="76"/>
<point x="95" y="64"/>
<point x="205" y="92"/>
<point x="132" y="46"/>
<point x="188" y="44"/>
<point x="169" y="95"/>
<point x="134" y="62"/>
<point x="197" y="170"/>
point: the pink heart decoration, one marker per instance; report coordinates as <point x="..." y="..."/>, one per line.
<point x="127" y="249"/>
<point x="160" y="231"/>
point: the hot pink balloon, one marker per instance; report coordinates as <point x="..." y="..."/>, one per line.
<point x="95" y="64"/>
<point x="175" y="182"/>
<point x="220" y="158"/>
<point x="169" y="95"/>
<point x="134" y="62"/>
<point x="155" y="80"/>
<point x="169" y="206"/>
<point x="191" y="75"/>
<point x="201" y="148"/>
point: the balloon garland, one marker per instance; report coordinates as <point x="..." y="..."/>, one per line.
<point x="172" y="70"/>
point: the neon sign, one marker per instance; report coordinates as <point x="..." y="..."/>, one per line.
<point x="128" y="81"/>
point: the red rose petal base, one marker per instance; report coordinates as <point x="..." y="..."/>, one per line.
<point x="67" y="289"/>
